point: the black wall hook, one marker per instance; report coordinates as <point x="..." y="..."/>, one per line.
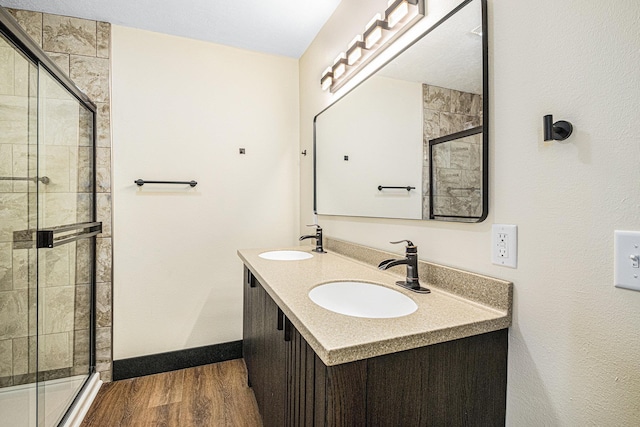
<point x="558" y="131"/>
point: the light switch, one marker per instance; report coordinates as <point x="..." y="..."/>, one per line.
<point x="627" y="259"/>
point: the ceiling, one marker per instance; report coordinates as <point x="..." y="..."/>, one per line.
<point x="280" y="27"/>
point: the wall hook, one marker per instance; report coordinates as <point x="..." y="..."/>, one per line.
<point x="304" y="153"/>
<point x="558" y="131"/>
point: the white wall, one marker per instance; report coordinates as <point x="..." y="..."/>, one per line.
<point x="574" y="356"/>
<point x="388" y="155"/>
<point x="181" y="110"/>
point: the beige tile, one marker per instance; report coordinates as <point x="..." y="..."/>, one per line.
<point x="6" y="266"/>
<point x="82" y="307"/>
<point x="451" y="123"/>
<point x="438" y="98"/>
<point x="31" y="22"/>
<point x="461" y="102"/>
<point x="105" y="372"/>
<point x="54" y="267"/>
<point x="6" y="167"/>
<point x="68" y="35"/>
<point x="53" y="351"/>
<point x="57" y="209"/>
<point x="431" y="126"/>
<point x="103" y="347"/>
<point x="24" y="355"/>
<point x="83" y="261"/>
<point x="59" y="122"/>
<point x="25" y="75"/>
<point x="92" y="76"/>
<point x="104" y="39"/>
<point x="13" y="214"/>
<point x="61" y="60"/>
<point x="476" y="105"/>
<point x="14" y="311"/>
<point x="104" y="212"/>
<point x="103" y="170"/>
<point x="86" y="126"/>
<point x="81" y="351"/>
<point x="59" y="305"/>
<point x="50" y="88"/>
<point x="14" y="126"/>
<point x="103" y="260"/>
<point x="24" y="268"/>
<point x="7" y="71"/>
<point x="103" y="305"/>
<point x="6" y="358"/>
<point x="460" y="154"/>
<point x="104" y="125"/>
<point x="84" y="207"/>
<point x="24" y="166"/>
<point x="54" y="163"/>
<point x="84" y="171"/>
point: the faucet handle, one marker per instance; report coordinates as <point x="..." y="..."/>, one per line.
<point x="409" y="243"/>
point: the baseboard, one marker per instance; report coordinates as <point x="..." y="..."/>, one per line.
<point x="174" y="360"/>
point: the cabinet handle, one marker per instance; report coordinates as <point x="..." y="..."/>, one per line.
<point x="287" y="329"/>
<point x="280" y="319"/>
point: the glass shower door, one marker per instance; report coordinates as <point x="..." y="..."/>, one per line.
<point x="66" y="247"/>
<point x="18" y="205"/>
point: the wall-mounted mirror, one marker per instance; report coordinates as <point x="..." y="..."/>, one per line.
<point x="411" y="140"/>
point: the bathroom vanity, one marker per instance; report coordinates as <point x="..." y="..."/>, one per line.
<point x="444" y="364"/>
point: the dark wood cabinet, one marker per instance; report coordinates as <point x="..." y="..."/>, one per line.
<point x="265" y="351"/>
<point x="455" y="383"/>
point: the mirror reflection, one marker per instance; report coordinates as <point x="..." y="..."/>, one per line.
<point x="408" y="142"/>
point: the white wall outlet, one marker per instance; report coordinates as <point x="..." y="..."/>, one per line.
<point x="627" y="259"/>
<point x="504" y="245"/>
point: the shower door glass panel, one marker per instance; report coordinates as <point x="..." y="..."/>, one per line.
<point x="18" y="292"/>
<point x="65" y="192"/>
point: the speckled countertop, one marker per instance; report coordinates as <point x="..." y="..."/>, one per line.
<point x="442" y="315"/>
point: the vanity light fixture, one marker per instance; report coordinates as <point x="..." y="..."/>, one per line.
<point x="339" y="66"/>
<point x="354" y="52"/>
<point x="373" y="31"/>
<point x="380" y="32"/>
<point x="397" y="11"/>
<point x="327" y="79"/>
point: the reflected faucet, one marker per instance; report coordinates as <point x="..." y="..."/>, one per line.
<point x="317" y="236"/>
<point x="411" y="261"/>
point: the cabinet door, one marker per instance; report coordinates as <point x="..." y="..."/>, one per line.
<point x="275" y="351"/>
<point x="264" y="351"/>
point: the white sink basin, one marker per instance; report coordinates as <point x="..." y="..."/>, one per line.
<point x="360" y="299"/>
<point x="285" y="255"/>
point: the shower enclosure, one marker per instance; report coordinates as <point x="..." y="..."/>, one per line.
<point x="47" y="236"/>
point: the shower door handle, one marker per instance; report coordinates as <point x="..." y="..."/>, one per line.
<point x="58" y="236"/>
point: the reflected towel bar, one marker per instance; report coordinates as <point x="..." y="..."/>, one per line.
<point x="43" y="179"/>
<point x="141" y="182"/>
<point x="408" y="188"/>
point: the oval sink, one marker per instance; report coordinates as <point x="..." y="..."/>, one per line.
<point x="285" y="255"/>
<point x="360" y="299"/>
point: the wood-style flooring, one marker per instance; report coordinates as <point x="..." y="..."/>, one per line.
<point x="209" y="395"/>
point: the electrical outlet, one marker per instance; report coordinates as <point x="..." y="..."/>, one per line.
<point x="504" y="245"/>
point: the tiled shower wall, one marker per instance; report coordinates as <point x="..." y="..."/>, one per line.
<point x="458" y="163"/>
<point x="81" y="48"/>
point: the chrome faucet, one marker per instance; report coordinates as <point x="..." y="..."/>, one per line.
<point x="411" y="261"/>
<point x="317" y="236"/>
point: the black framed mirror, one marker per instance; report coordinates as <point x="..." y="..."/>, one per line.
<point x="411" y="141"/>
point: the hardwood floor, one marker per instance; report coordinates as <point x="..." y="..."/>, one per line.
<point x="209" y="395"/>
